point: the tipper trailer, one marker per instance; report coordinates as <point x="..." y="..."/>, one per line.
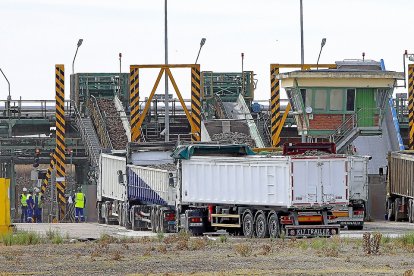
<point x="353" y="214"/>
<point x="400" y="186"/>
<point x="202" y="188"/>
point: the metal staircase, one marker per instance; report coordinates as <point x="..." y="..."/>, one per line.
<point x="89" y="138"/>
<point x="350" y="129"/>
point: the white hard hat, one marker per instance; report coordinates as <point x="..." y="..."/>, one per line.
<point x="36" y="189"/>
<point x="24" y="190"/>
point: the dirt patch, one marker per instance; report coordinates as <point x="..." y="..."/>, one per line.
<point x="182" y="255"/>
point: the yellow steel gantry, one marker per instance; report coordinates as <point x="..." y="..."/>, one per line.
<point x="194" y="118"/>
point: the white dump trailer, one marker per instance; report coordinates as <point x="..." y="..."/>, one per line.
<point x="263" y="195"/>
<point x="137" y="196"/>
<point x="269" y="181"/>
<point x="353" y="214"/>
<point x="211" y="187"/>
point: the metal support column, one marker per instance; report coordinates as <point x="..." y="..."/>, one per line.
<point x="411" y="106"/>
<point x="274" y="104"/>
<point x="134" y="104"/>
<point x="60" y="139"/>
<point x="195" y="103"/>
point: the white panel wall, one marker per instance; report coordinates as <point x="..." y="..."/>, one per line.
<point x="248" y="181"/>
<point x="108" y="185"/>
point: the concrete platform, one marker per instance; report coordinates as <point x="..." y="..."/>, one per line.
<point x="82" y="230"/>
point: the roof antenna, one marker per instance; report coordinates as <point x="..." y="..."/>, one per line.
<point x="363" y="56"/>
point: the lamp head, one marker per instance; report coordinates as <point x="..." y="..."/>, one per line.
<point x="202" y="42"/>
<point x="323" y="42"/>
<point x="80" y="42"/>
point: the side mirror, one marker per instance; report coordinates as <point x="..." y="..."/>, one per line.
<point x="171" y="179"/>
<point x="120" y="177"/>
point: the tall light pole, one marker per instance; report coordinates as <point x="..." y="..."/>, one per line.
<point x="167" y="115"/>
<point x="323" y="42"/>
<point x="73" y="63"/>
<point x="302" y="46"/>
<point x="9" y="96"/>
<point x="202" y="42"/>
<point x="120" y="63"/>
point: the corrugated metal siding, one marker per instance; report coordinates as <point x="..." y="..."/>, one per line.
<point x="320" y="181"/>
<point x="263" y="181"/>
<point x="358" y="178"/>
<point x="108" y="185"/>
<point x="243" y="181"/>
<point x="365" y="106"/>
<point x="401" y="177"/>
<point x="149" y="185"/>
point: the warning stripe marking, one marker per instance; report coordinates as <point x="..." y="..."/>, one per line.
<point x="274" y="105"/>
<point x="195" y="103"/>
<point x="134" y="103"/>
<point x="411" y="106"/>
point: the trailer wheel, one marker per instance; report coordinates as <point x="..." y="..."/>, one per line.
<point x="248" y="225"/>
<point x="274" y="228"/>
<point x="153" y="221"/>
<point x="410" y="211"/>
<point x="101" y="220"/>
<point x="355" y="227"/>
<point x="163" y="229"/>
<point x="390" y="210"/>
<point x="128" y="224"/>
<point x="396" y="209"/>
<point x="261" y="225"/>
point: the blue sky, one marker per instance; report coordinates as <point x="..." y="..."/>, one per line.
<point x="37" y="34"/>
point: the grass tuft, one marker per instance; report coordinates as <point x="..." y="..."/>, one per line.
<point x="243" y="249"/>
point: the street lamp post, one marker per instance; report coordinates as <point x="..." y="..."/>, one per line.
<point x="9" y="96"/>
<point x="73" y="63"/>
<point x="167" y="114"/>
<point x="202" y="42"/>
<point x="322" y="44"/>
<point x="302" y="46"/>
<point x="120" y="64"/>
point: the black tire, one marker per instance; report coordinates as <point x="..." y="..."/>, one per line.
<point x="101" y="220"/>
<point x="355" y="227"/>
<point x="390" y="210"/>
<point x="163" y="229"/>
<point x="128" y="224"/>
<point x="121" y="215"/>
<point x="248" y="225"/>
<point x="410" y="211"/>
<point x="261" y="227"/>
<point x="153" y="227"/>
<point x="157" y="221"/>
<point x="396" y="208"/>
<point x="273" y="225"/>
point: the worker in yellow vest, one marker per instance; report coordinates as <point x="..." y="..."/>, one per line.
<point x="23" y="205"/>
<point x="30" y="206"/>
<point x="80" y="201"/>
<point x="38" y="200"/>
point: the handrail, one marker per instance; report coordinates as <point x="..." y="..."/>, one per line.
<point x="100" y="123"/>
<point x="350" y="124"/>
<point x="85" y="136"/>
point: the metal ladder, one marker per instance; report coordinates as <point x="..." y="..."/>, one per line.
<point x="89" y="138"/>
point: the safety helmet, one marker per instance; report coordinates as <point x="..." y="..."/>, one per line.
<point x="24" y="189"/>
<point x="36" y="190"/>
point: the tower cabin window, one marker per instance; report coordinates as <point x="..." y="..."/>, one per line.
<point x="350" y="100"/>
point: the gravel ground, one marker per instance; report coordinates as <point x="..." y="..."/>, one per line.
<point x="177" y="255"/>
